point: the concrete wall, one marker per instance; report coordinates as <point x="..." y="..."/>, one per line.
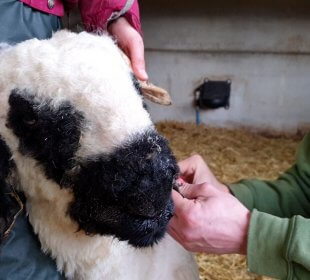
<point x="262" y="46"/>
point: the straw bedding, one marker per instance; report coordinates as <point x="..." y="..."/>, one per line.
<point x="232" y="155"/>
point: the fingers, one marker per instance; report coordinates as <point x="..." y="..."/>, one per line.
<point x="131" y="42"/>
<point x="179" y="201"/>
<point x="180" y="206"/>
<point x="187" y="170"/>
<point x="194" y="195"/>
<point x="136" y="53"/>
<point x="190" y="193"/>
<point x="190" y="166"/>
<point x="198" y="191"/>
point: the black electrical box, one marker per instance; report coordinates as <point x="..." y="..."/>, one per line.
<point x="213" y="94"/>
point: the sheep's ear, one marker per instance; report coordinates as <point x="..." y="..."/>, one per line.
<point x="155" y="94"/>
<point x="150" y="91"/>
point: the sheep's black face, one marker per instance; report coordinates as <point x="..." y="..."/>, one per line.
<point x="125" y="193"/>
<point x="49" y="135"/>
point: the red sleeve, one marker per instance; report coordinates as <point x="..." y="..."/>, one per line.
<point x="96" y="13"/>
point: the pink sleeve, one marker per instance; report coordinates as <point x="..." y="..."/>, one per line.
<point x="96" y="13"/>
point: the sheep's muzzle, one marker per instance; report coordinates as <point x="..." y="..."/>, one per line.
<point x="128" y="192"/>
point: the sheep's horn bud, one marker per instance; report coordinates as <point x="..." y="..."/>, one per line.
<point x="150" y="91"/>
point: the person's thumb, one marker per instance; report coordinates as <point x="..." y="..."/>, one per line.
<point x="136" y="53"/>
<point x="179" y="201"/>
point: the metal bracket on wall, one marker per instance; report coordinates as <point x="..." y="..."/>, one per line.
<point x="211" y="94"/>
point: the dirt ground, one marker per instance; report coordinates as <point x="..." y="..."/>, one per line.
<point x="232" y="155"/>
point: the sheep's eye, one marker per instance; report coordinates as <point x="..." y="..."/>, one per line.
<point x="29" y="121"/>
<point x="47" y="133"/>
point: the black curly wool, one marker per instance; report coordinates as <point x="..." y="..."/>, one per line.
<point x="136" y="83"/>
<point x="8" y="205"/>
<point x="50" y="135"/>
<point x="127" y="193"/>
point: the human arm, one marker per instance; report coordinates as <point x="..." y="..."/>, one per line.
<point x="130" y="41"/>
<point x="97" y="16"/>
<point x="209" y="220"/>
<point x="277" y="246"/>
<point x="279" y="241"/>
<point x="287" y="196"/>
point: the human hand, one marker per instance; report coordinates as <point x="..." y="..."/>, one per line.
<point x="209" y="220"/>
<point x="194" y="170"/>
<point x="130" y="41"/>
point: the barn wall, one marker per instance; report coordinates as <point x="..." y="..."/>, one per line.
<point x="262" y="46"/>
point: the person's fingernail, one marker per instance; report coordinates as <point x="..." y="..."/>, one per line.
<point x="143" y="75"/>
<point x="180" y="181"/>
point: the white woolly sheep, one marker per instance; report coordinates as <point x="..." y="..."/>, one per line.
<point x="96" y="175"/>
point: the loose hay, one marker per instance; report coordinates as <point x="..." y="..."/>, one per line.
<point x="232" y="155"/>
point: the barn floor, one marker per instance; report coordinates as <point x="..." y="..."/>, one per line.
<point x="232" y="155"/>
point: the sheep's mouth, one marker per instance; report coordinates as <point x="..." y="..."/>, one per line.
<point x="146" y="231"/>
<point x="138" y="231"/>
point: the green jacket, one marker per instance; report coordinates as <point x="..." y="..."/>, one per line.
<point x="279" y="232"/>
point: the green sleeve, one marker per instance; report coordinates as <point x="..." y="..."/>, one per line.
<point x="287" y="196"/>
<point x="279" y="247"/>
<point x="279" y="231"/>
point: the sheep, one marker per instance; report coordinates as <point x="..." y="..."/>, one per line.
<point x="81" y="146"/>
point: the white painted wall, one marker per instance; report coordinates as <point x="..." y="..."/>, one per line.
<point x="262" y="46"/>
